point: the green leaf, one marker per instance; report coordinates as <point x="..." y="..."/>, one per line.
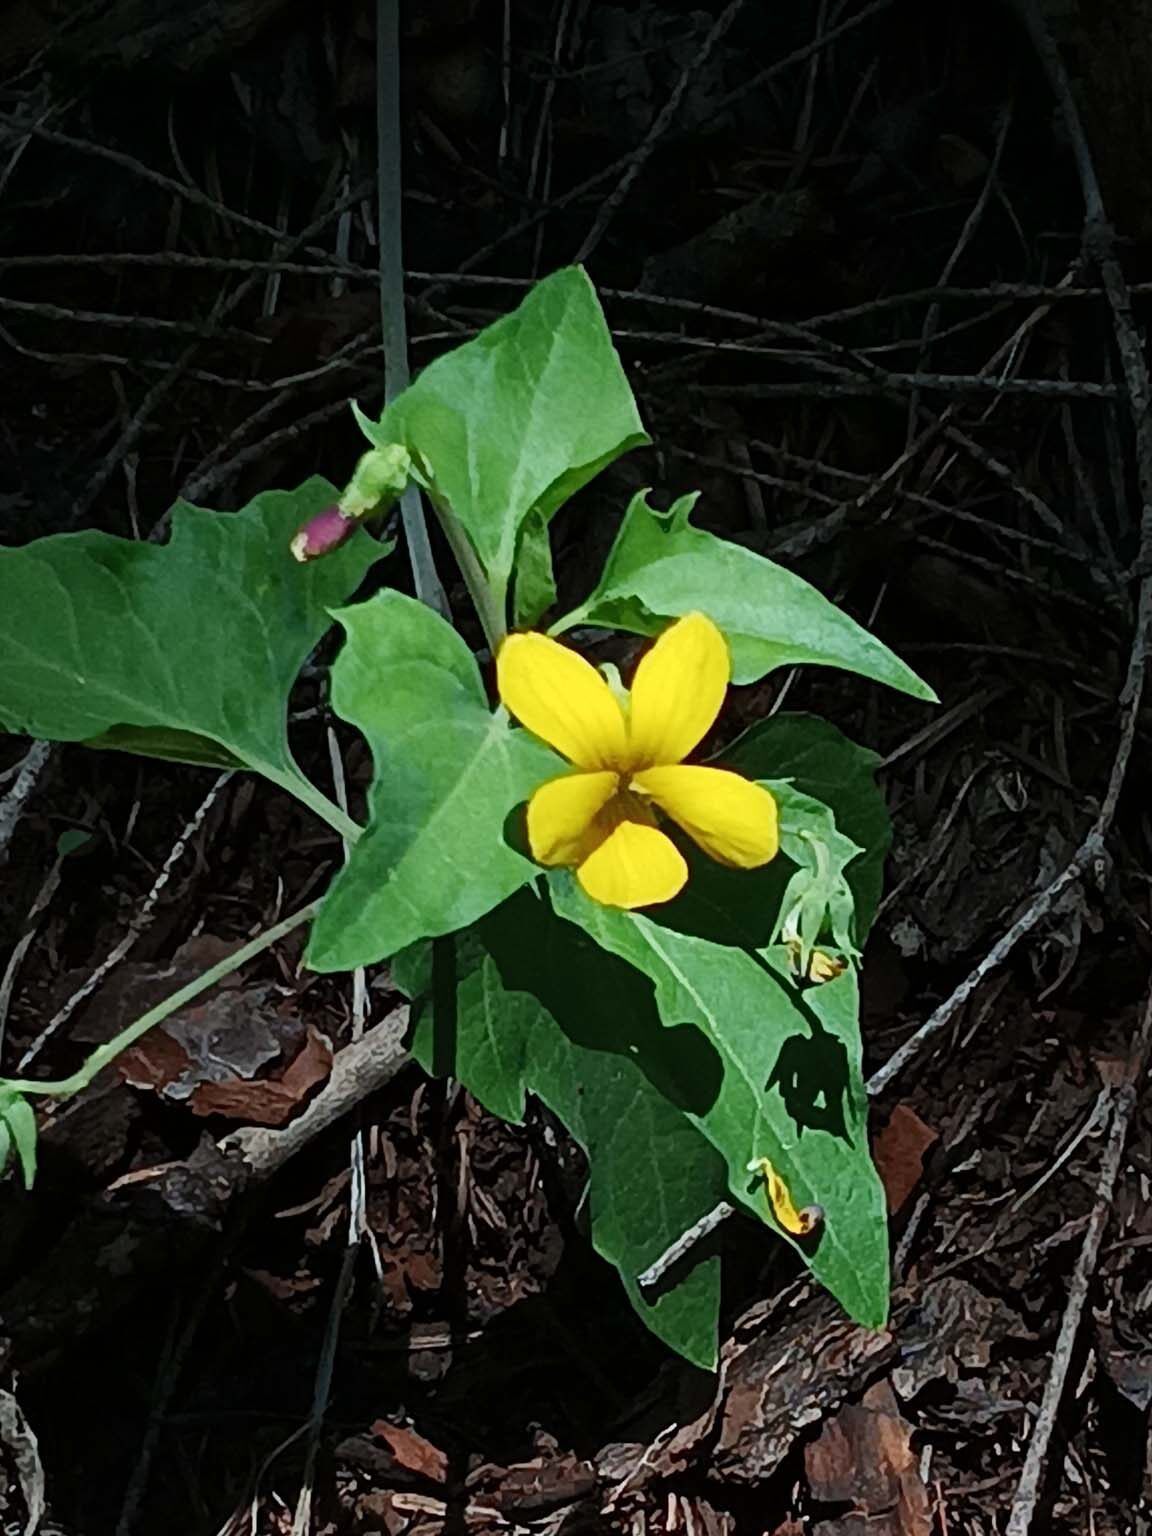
<point x="535" y="589"/>
<point x="541" y="1009"/>
<point x="661" y="567"/>
<point x="818" y="900"/>
<point x="821" y="762"/>
<point x="517" y="420"/>
<point x="17" y="1133"/>
<point x="791" y="1087"/>
<point x="448" y="774"/>
<point x="184" y="650"/>
<point x="19" y="1120"/>
<point x="167" y="745"/>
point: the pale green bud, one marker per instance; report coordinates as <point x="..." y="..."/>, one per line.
<point x="378" y="479"/>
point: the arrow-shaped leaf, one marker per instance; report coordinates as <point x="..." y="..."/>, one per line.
<point x="791" y="1088"/>
<point x="447" y="773"/>
<point x="185" y="650"/>
<point x="661" y="567"/>
<point x="18" y="1134"/>
<point x="516" y="421"/>
<point x="541" y="1009"/>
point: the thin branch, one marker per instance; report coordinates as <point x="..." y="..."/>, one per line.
<point x="357" y="1071"/>
<point x="140" y="920"/>
<point x="32" y="769"/>
<point x="1124" y="1101"/>
<point x="335" y="267"/>
<point x="200" y="328"/>
<point x="393" y="322"/>
<point x="214" y="470"/>
<point x="659" y="127"/>
<point x="1091" y="857"/>
<point x="598" y="178"/>
<point x="180" y="189"/>
<point x="945" y="383"/>
<point x="167" y="382"/>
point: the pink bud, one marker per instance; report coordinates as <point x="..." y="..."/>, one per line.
<point x="322" y="534"/>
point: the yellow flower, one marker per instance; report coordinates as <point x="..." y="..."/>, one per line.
<point x="602" y="819"/>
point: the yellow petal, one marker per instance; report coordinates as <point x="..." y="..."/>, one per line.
<point x="561" y="814"/>
<point x="677" y="691"/>
<point x="802" y="1222"/>
<point x="635" y="866"/>
<point x="822" y="966"/>
<point x="732" y="819"/>
<point x="561" y="698"/>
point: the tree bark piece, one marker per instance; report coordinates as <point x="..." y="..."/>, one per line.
<point x="863" y="1457"/>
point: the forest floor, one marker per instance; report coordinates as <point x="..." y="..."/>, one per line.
<point x="842" y="251"/>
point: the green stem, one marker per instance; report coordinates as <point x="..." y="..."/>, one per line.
<point x="336" y="818"/>
<point x="307" y="793"/>
<point x="567" y="622"/>
<point x="488" y="599"/>
<point x="100" y="1058"/>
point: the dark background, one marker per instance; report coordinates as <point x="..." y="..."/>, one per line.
<point x="843" y="251"/>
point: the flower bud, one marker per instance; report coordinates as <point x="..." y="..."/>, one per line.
<point x="378" y="479"/>
<point x="322" y="534"/>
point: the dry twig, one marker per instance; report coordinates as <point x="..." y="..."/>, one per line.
<point x="659" y="127"/>
<point x="1091" y="856"/>
<point x="1123" y="1102"/>
<point x="32" y="769"/>
<point x="140" y="920"/>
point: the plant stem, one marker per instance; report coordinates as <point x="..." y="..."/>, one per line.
<point x="100" y="1058"/>
<point x="567" y="621"/>
<point x="307" y="793"/>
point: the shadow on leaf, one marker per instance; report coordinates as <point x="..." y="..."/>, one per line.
<point x="600" y="1002"/>
<point x="811" y="1076"/>
<point x="737" y="907"/>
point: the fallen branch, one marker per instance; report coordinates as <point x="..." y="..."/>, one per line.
<point x="153" y="1220"/>
<point x="358" y="1071"/>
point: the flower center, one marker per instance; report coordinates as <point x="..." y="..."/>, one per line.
<point x="625" y="805"/>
